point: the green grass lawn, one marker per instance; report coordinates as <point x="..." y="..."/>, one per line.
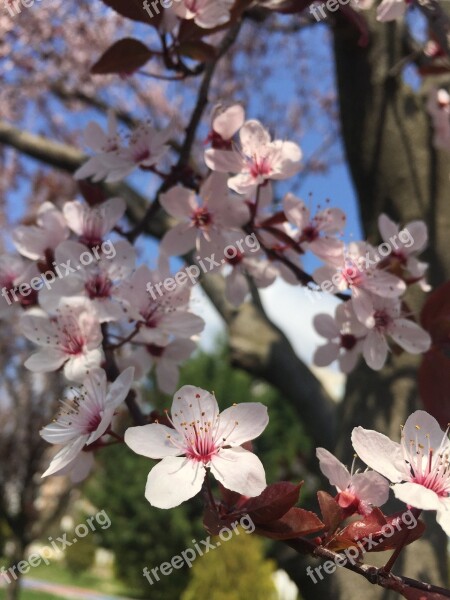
<point x="57" y="572"/>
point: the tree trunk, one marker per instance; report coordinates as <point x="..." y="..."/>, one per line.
<point x="12" y="590"/>
<point x="395" y="169"/>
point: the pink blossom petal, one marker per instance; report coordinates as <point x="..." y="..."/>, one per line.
<point x="371" y="487"/>
<point x="46" y="360"/>
<point x="236" y="287"/>
<point x="228" y="122"/>
<point x="419" y="234"/>
<point x="253" y="136"/>
<point x="380" y="453"/>
<point x="239" y="471"/>
<point x="242" y="422"/>
<point x="326" y="354"/>
<point x="375" y="350"/>
<point x="388" y="229"/>
<point x="191" y="403"/>
<point x="65" y="456"/>
<point x="326" y="326"/>
<point x="423" y="428"/>
<point x="224" y="161"/>
<point x="174" y="480"/>
<point x="336" y="473"/>
<point x="179" y="202"/>
<point x="416" y="495"/>
<point x="410" y="336"/>
<point x="153" y="441"/>
<point x="77" y="368"/>
<point x="179" y="240"/>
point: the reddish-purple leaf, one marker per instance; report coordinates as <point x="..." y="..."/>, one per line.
<point x="274" y="502"/>
<point x="296" y="522"/>
<point x="332" y="513"/>
<point x="124" y="56"/>
<point x="376" y="532"/>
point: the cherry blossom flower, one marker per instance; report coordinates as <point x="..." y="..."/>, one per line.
<point x="71" y="337"/>
<point x="164" y="359"/>
<point x="226" y="122"/>
<point x="354" y="270"/>
<point x="203" y="225"/>
<point x="146" y="147"/>
<point x="206" y="13"/>
<point x="344" y="334"/>
<point x="405" y="251"/>
<point x="438" y="107"/>
<point x="316" y="233"/>
<point x="257" y="161"/>
<point x="159" y="316"/>
<point x="356" y="491"/>
<point x="99" y="281"/>
<point x="93" y="223"/>
<point x="418" y="467"/>
<point x="85" y="416"/>
<point x="389" y="321"/>
<point x="37" y="242"/>
<point x="202" y="439"/>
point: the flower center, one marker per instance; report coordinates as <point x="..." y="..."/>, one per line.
<point x="348" y="341"/>
<point x="429" y="467"/>
<point x="202" y="217"/>
<point x="382" y="319"/>
<point x="155" y="350"/>
<point x="98" y="287"/>
<point x="259" y="166"/>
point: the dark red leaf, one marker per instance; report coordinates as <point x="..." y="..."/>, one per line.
<point x="332" y="513"/>
<point x="296" y="522"/>
<point x="124" y="56"/>
<point x="274" y="502"/>
<point x="369" y="532"/>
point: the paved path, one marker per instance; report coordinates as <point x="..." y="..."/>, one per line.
<point x="64" y="591"/>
